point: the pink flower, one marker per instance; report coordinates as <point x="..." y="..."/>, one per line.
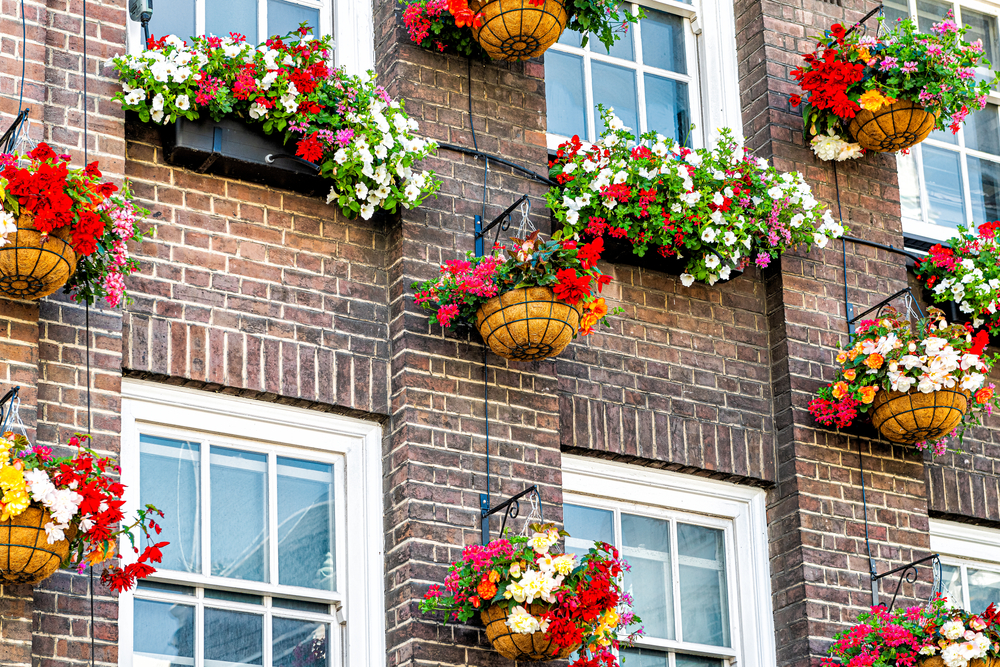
<point x="446" y="314"/>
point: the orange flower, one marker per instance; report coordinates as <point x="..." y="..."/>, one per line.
<point x="841" y="357"/>
<point x="874" y="361"/>
<point x="839" y="390"/>
<point x="598" y="307"/>
<point x="868" y="394"/>
<point x="486" y="589"/>
<point x="587" y="323"/>
<point x="494" y="576"/>
<point x="475" y="601"/>
<point x="984" y="395"/>
<point x="850" y="374"/>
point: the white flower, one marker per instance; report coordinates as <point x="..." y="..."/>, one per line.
<point x="564" y="564"/>
<point x="541" y="542"/>
<point x="258" y="110"/>
<point x="708" y="234"/>
<point x="729" y="238"/>
<point x="367" y="211"/>
<point x="137" y="95"/>
<point x="521" y="622"/>
<point x="158" y="102"/>
<point x="182" y="102"/>
<point x="411" y="191"/>
<point x="54" y="533"/>
<point x="687" y="279"/>
<point x="157" y="116"/>
<point x="333" y="195"/>
<point x="712" y="261"/>
<point x="724" y="272"/>
<point x="693" y="159"/>
<point x="615" y="123"/>
<point x="718" y="199"/>
<point x="972" y="382"/>
<point x="361" y="190"/>
<point x="775" y="193"/>
<point x="831" y="147"/>
<point x="340" y="157"/>
<point x="819" y="239"/>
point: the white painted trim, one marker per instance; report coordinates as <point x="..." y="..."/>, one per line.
<point x="743" y="506"/>
<point x="359" y="544"/>
<point x="965" y="541"/>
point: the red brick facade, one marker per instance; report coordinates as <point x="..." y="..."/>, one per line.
<point x="276" y="296"/>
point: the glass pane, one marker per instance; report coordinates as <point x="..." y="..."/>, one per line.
<point x="177" y="20"/>
<point x="564" y="94"/>
<point x="244" y="598"/>
<point x="663" y="41"/>
<point x="301" y="605"/>
<point x="667" y="108"/>
<point x="646" y="547"/>
<point x="633" y="657"/>
<point x="585" y="526"/>
<point x="930" y="12"/>
<point x="169" y="479"/>
<point x="163" y="634"/>
<point x="284" y="17"/>
<point x="982" y="130"/>
<point x="951" y="585"/>
<point x="239" y="514"/>
<point x="623" y="47"/>
<point x="570" y="38"/>
<point x="909" y="187"/>
<point x="298" y="643"/>
<point x="984" y="27"/>
<point x="696" y="661"/>
<point x="615" y="87"/>
<point x="225" y="16"/>
<point x="943" y="180"/>
<point x="233" y="638"/>
<point x="984" y="186"/>
<point x="895" y="10"/>
<point x="305" y="524"/>
<point x="984" y="589"/>
<point x="704" y="598"/>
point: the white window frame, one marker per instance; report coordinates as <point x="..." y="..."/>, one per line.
<point x="350" y="22"/>
<point x="963" y="546"/>
<point x="923" y="227"/>
<point x="739" y="510"/>
<point x="283" y="430"/>
<point x="711" y="56"/>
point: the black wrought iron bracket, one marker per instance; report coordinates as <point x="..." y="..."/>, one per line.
<point x="503" y="220"/>
<point x="7" y="407"/>
<point x="510" y="507"/>
<point x="877" y="10"/>
<point x="848" y="306"/>
<point x="907" y="573"/>
<point x="9" y="138"/>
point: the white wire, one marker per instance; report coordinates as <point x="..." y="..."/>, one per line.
<point x="535" y="515"/>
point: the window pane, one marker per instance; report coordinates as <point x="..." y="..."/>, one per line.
<point x="943" y="181"/>
<point x="298" y="643"/>
<point x="569" y="37"/>
<point x="305" y="524"/>
<point x="163" y="634"/>
<point x="984" y="589"/>
<point x="233" y="638"/>
<point x="930" y="12"/>
<point x="697" y="661"/>
<point x="623" y="47"/>
<point x="564" y="94"/>
<point x="633" y="657"/>
<point x="177" y="19"/>
<point x="646" y="547"/>
<point x="284" y="17"/>
<point x="239" y="514"/>
<point x="667" y="109"/>
<point x="615" y="87"/>
<point x="982" y="130"/>
<point x="909" y="187"/>
<point x="231" y="596"/>
<point x="984" y="186"/>
<point x="169" y="479"/>
<point x="951" y="585"/>
<point x="984" y="27"/>
<point x="702" y="565"/>
<point x="585" y="526"/>
<point x="895" y="10"/>
<point x="663" y="40"/>
<point x="225" y="16"/>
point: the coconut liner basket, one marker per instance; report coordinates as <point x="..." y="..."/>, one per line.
<point x="937" y="661"/>
<point x="916" y="417"/>
<point x="518" y="29"/>
<point x="892" y="128"/>
<point x="26" y="557"/>
<point x="33" y="265"/>
<point x="527" y="324"/>
<point x="515" y="646"/>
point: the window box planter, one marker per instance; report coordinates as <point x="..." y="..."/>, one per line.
<point x="619" y="251"/>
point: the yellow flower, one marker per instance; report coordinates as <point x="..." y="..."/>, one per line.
<point x="14" y="504"/>
<point x="11" y="479"/>
<point x="863" y="53"/>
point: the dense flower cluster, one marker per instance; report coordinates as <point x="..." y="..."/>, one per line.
<point x="967" y="272"/>
<point x="723" y="208"/>
<point x="889" y="355"/>
<point x="101" y="218"/>
<point x="582" y="597"/>
<point x="84" y="502"/>
<point x="360" y="137"/>
<point x="906" y="637"/>
<point x="850" y="72"/>
<point x="566" y="265"/>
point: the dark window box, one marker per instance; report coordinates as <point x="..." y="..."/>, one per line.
<point x="234" y="149"/>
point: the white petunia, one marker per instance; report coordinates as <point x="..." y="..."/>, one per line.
<point x="687" y="279"/>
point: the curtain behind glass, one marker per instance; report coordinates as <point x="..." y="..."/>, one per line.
<point x="169" y="479"/>
<point x="239" y="514"/>
<point x="306" y="524"/>
<point x="703" y="591"/>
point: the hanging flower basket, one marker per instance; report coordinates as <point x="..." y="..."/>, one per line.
<point x="527" y="324"/>
<point x="512" y="645"/>
<point x="26" y="557"/>
<point x="892" y="128"/>
<point x="518" y="29"/>
<point x="912" y="417"/>
<point x="938" y="661"/>
<point x="33" y="265"/>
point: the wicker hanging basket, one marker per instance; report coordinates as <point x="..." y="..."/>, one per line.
<point x="26" y="557"/>
<point x="937" y="661"/>
<point x="515" y="646"/>
<point x="893" y="127"/>
<point x="527" y="324"/>
<point x="33" y="265"/>
<point x="517" y="29"/>
<point x="915" y="416"/>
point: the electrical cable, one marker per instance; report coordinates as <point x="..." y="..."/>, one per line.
<point x="24" y="58"/>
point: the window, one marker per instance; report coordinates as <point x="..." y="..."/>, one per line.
<point x="651" y="76"/>
<point x="699" y="603"/>
<point x="260" y="19"/>
<point x="970" y="563"/>
<point x="953" y="179"/>
<point x="261" y="543"/>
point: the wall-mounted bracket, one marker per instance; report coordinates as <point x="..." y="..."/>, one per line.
<point x="906" y="572"/>
<point x="511" y="508"/>
<point x="8" y="142"/>
<point x="7" y="404"/>
<point x="877" y="308"/>
<point x="503" y="220"/>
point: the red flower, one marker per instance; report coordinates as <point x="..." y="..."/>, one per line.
<point x="309" y="148"/>
<point x="591" y="252"/>
<point x="571" y="287"/>
<point x="795" y="100"/>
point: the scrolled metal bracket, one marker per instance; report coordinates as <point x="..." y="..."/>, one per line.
<point x="510" y="507"/>
<point x="907" y="573"/>
<point x="503" y="220"/>
<point x="7" y="404"/>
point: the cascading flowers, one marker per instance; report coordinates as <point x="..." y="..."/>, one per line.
<point x="566" y="265"/>
<point x="101" y="218"/>
<point x="850" y="72"/>
<point x="888" y="354"/>
<point x="582" y="596"/>
<point x="84" y="502"/>
<point x="720" y="207"/>
<point x="349" y="126"/>
<point x="967" y="271"/>
<point x="904" y="638"/>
